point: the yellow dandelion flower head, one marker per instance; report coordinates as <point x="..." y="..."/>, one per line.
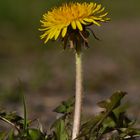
<point x="70" y="21"/>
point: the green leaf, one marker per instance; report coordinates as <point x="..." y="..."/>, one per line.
<point x="60" y="130"/>
<point x="11" y="135"/>
<point x="65" y="107"/>
<point x="61" y="109"/>
<point x="109" y="123"/>
<point x="69" y="102"/>
<point x="35" y="134"/>
<point x="120" y="110"/>
<point x="25" y="126"/>
<point x="89" y="125"/>
<point x="113" y="101"/>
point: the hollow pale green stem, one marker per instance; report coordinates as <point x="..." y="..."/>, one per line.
<point x="78" y="96"/>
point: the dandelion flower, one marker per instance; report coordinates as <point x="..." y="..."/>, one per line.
<point x="70" y="23"/>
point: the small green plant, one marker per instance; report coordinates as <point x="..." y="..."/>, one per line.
<point x="110" y="124"/>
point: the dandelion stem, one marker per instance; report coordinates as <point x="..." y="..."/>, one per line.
<point x="78" y="96"/>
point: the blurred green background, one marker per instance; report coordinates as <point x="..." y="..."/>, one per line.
<point x="46" y="72"/>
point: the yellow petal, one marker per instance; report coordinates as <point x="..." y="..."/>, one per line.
<point x="103" y="15"/>
<point x="95" y="18"/>
<point x="73" y="24"/>
<point x="46" y="39"/>
<point x="57" y="34"/>
<point x="79" y="25"/>
<point x="94" y="5"/>
<point x="91" y="4"/>
<point x="88" y="20"/>
<point x="101" y="10"/>
<point x="96" y="23"/>
<point x="52" y="34"/>
<point x="43" y="35"/>
<point x="64" y="31"/>
<point x="107" y="19"/>
<point x="83" y="22"/>
<point x="97" y="8"/>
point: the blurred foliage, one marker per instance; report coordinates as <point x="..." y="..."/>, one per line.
<point x="111" y="124"/>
